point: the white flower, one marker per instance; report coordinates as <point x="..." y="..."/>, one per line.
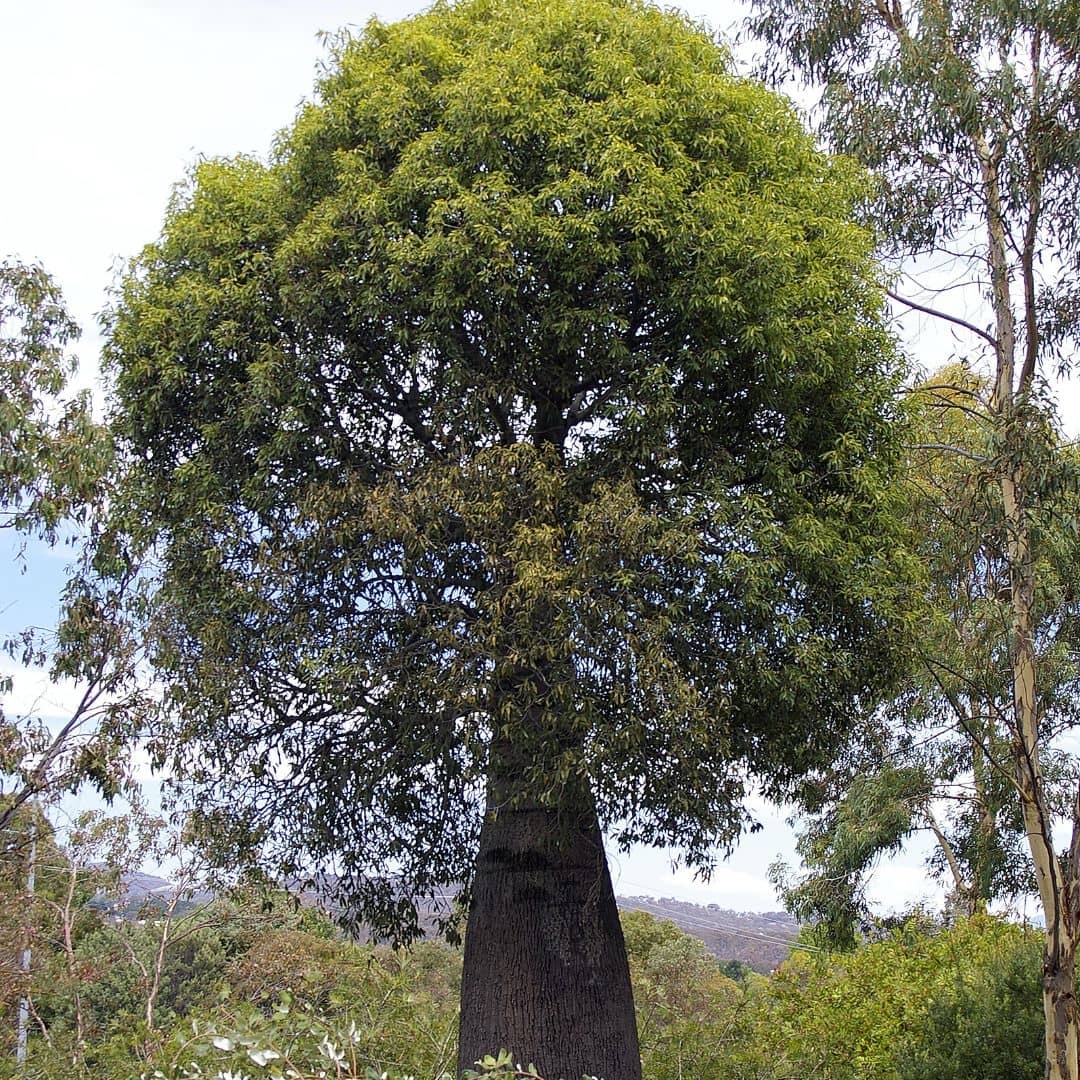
<point x="261" y="1057"/>
<point x="331" y="1051"/>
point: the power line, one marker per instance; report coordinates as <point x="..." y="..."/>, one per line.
<point x="735" y="931"/>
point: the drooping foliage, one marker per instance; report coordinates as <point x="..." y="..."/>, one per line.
<point x="939" y="99"/>
<point x="51" y="453"/>
<point x="936" y="758"/>
<point x="54" y="457"/>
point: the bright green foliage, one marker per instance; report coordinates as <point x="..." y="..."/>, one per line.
<point x="689" y="1015"/>
<point x="112" y="992"/>
<point x="396" y="1010"/>
<point x="315" y="1004"/>
<point x="898" y="1006"/>
<point x="988" y="1023"/>
<point x="536" y="387"/>
<point x="922" y="1003"/>
<point x="209" y="961"/>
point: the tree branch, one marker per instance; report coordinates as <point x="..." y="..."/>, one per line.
<point x="989" y="338"/>
<point x="946" y="448"/>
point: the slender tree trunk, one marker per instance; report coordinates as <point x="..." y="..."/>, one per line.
<point x="545" y="973"/>
<point x="1056" y="892"/>
<point x="987" y="828"/>
<point x="154" y="986"/>
<point x="67" y="915"/>
<point x="962" y="889"/>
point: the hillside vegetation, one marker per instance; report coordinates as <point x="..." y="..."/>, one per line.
<point x="253" y="990"/>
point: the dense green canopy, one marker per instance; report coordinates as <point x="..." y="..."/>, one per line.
<point x="536" y="389"/>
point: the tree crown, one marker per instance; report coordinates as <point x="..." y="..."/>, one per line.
<point x="535" y="390"/>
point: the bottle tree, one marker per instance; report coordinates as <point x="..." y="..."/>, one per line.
<point x="516" y="445"/>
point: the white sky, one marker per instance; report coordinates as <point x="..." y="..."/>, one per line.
<point x="105" y="105"/>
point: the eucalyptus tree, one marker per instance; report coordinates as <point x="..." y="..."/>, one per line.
<point x="936" y="759"/>
<point x="517" y="446"/>
<point x="53" y="458"/>
<point x="969" y="113"/>
<point x="50" y="450"/>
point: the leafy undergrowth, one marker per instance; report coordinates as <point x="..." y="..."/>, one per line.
<point x="287" y="999"/>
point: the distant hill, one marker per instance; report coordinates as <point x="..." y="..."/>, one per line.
<point x="760" y="940"/>
<point x="138" y="886"/>
<point x="141" y="892"/>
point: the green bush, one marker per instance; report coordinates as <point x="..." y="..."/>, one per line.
<point x="988" y="1023"/>
<point x="918" y="1004"/>
<point x="255" y="1000"/>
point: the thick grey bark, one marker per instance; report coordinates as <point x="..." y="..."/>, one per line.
<point x="545" y="973"/>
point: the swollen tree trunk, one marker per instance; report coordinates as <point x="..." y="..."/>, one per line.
<point x="545" y="973"/>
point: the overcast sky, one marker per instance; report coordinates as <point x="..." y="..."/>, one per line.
<point x="105" y="105"/>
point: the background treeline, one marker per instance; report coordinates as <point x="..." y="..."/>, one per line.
<point x="255" y="986"/>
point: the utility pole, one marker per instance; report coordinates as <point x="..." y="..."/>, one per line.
<point x="24" y="1001"/>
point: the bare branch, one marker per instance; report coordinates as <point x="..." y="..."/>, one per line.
<point x="988" y="338"/>
<point x="946" y="448"/>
